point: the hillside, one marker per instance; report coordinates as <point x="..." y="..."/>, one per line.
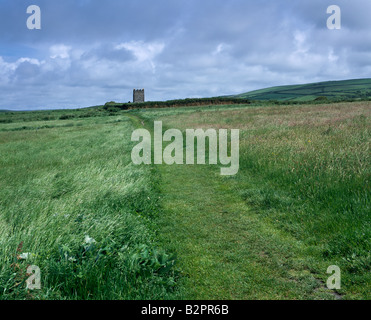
<point x="333" y="90"/>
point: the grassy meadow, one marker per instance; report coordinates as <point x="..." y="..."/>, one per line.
<point x="99" y="227"/>
<point x="71" y="200"/>
<point x="356" y="89"/>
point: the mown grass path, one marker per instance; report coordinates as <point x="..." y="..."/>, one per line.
<point x="224" y="250"/>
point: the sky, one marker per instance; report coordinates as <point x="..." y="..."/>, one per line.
<point x="88" y="52"/>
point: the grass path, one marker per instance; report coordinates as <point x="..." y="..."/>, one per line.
<point x="224" y="250"/>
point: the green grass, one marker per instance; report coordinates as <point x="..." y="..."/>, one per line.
<point x="61" y="185"/>
<point x="299" y="203"/>
<point x="333" y="90"/>
<point x="224" y="250"/>
<point x="304" y="180"/>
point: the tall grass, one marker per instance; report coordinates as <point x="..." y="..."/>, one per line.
<point x="313" y="180"/>
<point x="73" y="205"/>
<point x="305" y="170"/>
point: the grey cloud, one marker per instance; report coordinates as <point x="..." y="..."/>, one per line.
<point x="89" y="52"/>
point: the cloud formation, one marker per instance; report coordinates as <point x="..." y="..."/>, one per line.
<point x="89" y="52"/>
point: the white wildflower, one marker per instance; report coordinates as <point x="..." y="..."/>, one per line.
<point x="89" y="240"/>
<point x="25" y="255"/>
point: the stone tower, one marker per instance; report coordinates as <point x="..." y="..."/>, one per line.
<point x="138" y="95"/>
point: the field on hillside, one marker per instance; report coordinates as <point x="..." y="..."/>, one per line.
<point x="98" y="227"/>
<point x="332" y="90"/>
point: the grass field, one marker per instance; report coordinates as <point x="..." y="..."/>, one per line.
<point x="101" y="228"/>
<point x="332" y="90"/>
<point x="73" y="201"/>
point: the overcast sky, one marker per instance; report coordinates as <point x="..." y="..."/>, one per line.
<point x="89" y="52"/>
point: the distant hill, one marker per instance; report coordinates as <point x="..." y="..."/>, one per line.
<point x="333" y="90"/>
